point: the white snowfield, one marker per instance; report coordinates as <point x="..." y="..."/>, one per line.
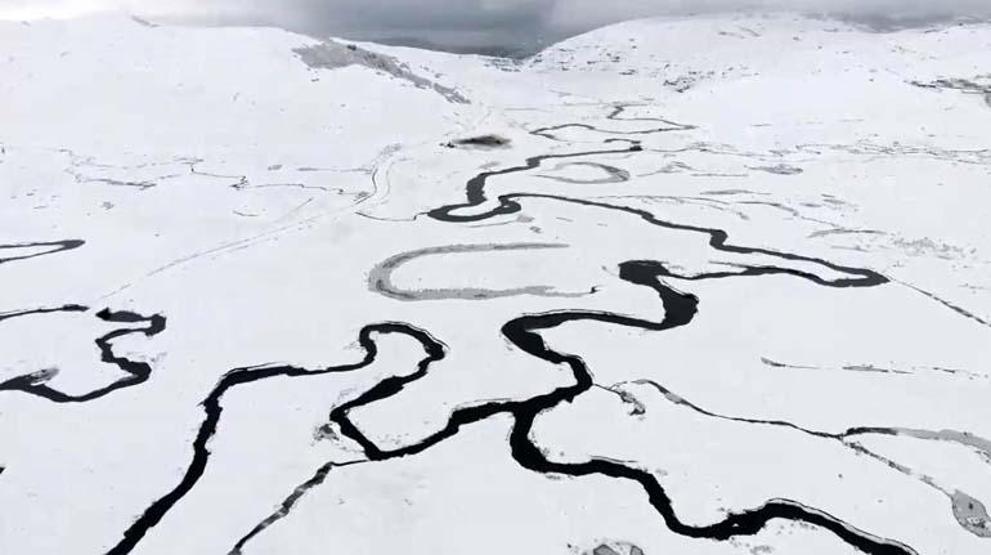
<point x="700" y="286"/>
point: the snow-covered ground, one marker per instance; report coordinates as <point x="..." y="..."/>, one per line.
<point x="698" y="286"/>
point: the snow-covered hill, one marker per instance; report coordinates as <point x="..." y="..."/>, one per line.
<point x="701" y="286"/>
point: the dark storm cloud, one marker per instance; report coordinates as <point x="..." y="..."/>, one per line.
<point x="499" y="26"/>
<point x="400" y="14"/>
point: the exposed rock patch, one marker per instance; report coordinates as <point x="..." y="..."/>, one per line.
<point x="333" y="55"/>
<point x="486" y="141"/>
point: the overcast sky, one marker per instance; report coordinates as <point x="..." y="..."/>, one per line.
<point x="473" y="24"/>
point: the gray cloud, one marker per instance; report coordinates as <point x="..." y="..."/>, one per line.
<point x="505" y="25"/>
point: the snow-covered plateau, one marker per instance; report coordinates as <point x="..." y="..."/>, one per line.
<point x="702" y="286"/>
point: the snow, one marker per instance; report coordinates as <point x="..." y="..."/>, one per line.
<point x="762" y="238"/>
